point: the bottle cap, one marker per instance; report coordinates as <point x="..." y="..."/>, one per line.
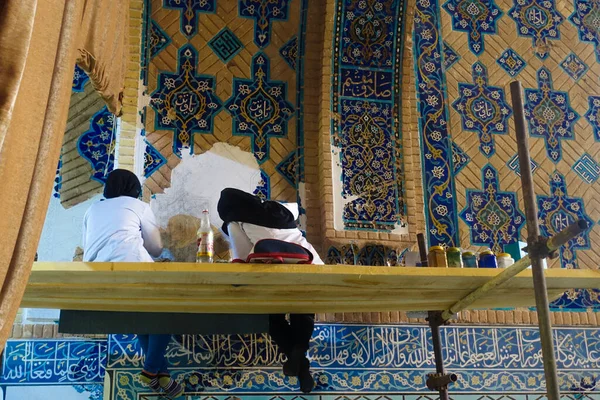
<point x="504" y="255"/>
<point x="487" y="253"/>
<point x="436" y="248"/>
<point x="468" y="254"/>
<point x="205" y="211"/>
<point x="453" y="250"/>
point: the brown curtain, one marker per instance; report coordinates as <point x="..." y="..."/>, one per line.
<point x="100" y="44"/>
<point x="38" y="48"/>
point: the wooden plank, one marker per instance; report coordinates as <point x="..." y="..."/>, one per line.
<point x="264" y="288"/>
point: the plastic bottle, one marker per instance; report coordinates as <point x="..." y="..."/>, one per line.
<point x="505" y="260"/>
<point x="205" y="240"/>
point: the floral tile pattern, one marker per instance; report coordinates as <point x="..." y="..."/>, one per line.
<point x="185" y="101"/>
<point x="493" y="216"/>
<point x="483" y="109"/>
<point x="259" y="107"/>
<point x="556" y="212"/>
<point x="539" y="20"/>
<point x="476" y="17"/>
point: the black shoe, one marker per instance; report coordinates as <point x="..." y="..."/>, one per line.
<point x="307" y="383"/>
<point x="292" y="366"/>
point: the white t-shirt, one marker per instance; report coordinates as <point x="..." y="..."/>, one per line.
<point x="244" y="236"/>
<point x="120" y="229"/>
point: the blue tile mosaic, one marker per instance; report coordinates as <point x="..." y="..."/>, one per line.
<point x="440" y="208"/>
<point x="27" y="362"/>
<point x="483" y="109"/>
<point x="578" y="300"/>
<point x="97" y="145"/>
<point x="574" y="66"/>
<point x="79" y="79"/>
<point x="189" y="10"/>
<point x="259" y="107"/>
<point x="459" y="158"/>
<point x="263" y="12"/>
<point x="475" y="17"/>
<point x="549" y="114"/>
<point x="225" y="45"/>
<point x="288" y="168"/>
<point x="366" y="135"/>
<point x="514" y="166"/>
<point x="587" y="168"/>
<point x="451" y="57"/>
<point x="289" y="52"/>
<point x="158" y="39"/>
<point x="493" y="216"/>
<point x="511" y="62"/>
<point x="96" y="392"/>
<point x="263" y="190"/>
<point x="538" y="20"/>
<point x="185" y="101"/>
<point x="593" y="115"/>
<point x="57" y="180"/>
<point x="585" y="18"/>
<point x="153" y="160"/>
<point x="556" y="212"/>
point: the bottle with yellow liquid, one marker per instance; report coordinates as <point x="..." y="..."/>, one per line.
<point x="205" y="240"/>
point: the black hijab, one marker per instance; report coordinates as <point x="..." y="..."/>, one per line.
<point x="121" y="182"/>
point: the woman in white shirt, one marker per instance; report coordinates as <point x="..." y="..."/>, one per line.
<point x="122" y="228"/>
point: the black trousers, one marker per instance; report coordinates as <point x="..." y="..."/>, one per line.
<point x="295" y="334"/>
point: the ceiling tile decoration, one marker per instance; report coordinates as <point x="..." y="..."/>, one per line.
<point x="493" y="216"/>
<point x="259" y="107"/>
<point x="549" y="114"/>
<point x="511" y="62"/>
<point x="556" y="212"/>
<point x="79" y="79"/>
<point x="153" y="160"/>
<point x="587" y="168"/>
<point x="593" y="115"/>
<point x="459" y="158"/>
<point x="574" y="66"/>
<point x="189" y="13"/>
<point x="483" y="109"/>
<point x="263" y="12"/>
<point x="514" y="166"/>
<point x="185" y="101"/>
<point x="225" y="45"/>
<point x="289" y="52"/>
<point x="538" y="20"/>
<point x="450" y="56"/>
<point x="476" y="17"/>
<point x="585" y="17"/>
<point x="97" y="145"/>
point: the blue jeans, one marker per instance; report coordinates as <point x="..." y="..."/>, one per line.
<point x="154" y="347"/>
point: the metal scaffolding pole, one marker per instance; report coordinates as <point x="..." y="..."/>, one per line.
<point x="534" y="244"/>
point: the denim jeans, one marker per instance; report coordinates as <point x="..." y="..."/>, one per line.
<point x="154" y="347"/>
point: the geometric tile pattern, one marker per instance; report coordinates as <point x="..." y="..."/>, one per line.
<point x="493" y="216"/>
<point x="574" y="66"/>
<point x="476" y="17"/>
<point x="153" y="160"/>
<point x="511" y="62"/>
<point x="225" y="45"/>
<point x="189" y="13"/>
<point x="264" y="12"/>
<point x="366" y="137"/>
<point x="513" y="164"/>
<point x="263" y="190"/>
<point x="97" y="145"/>
<point x="373" y="255"/>
<point x="556" y="212"/>
<point x="79" y="79"/>
<point x="259" y="107"/>
<point x="459" y="158"/>
<point x="539" y="20"/>
<point x="585" y="18"/>
<point x="578" y="300"/>
<point x="593" y="115"/>
<point x="438" y="183"/>
<point x="587" y="168"/>
<point x="549" y="114"/>
<point x="289" y="52"/>
<point x="450" y="56"/>
<point x="185" y="101"/>
<point x="158" y="39"/>
<point x="288" y="168"/>
<point x="483" y="109"/>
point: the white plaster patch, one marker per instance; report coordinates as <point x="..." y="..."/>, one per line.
<point x="199" y="179"/>
<point x="63" y="230"/>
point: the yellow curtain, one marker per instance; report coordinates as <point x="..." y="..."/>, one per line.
<point x="38" y="48"/>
